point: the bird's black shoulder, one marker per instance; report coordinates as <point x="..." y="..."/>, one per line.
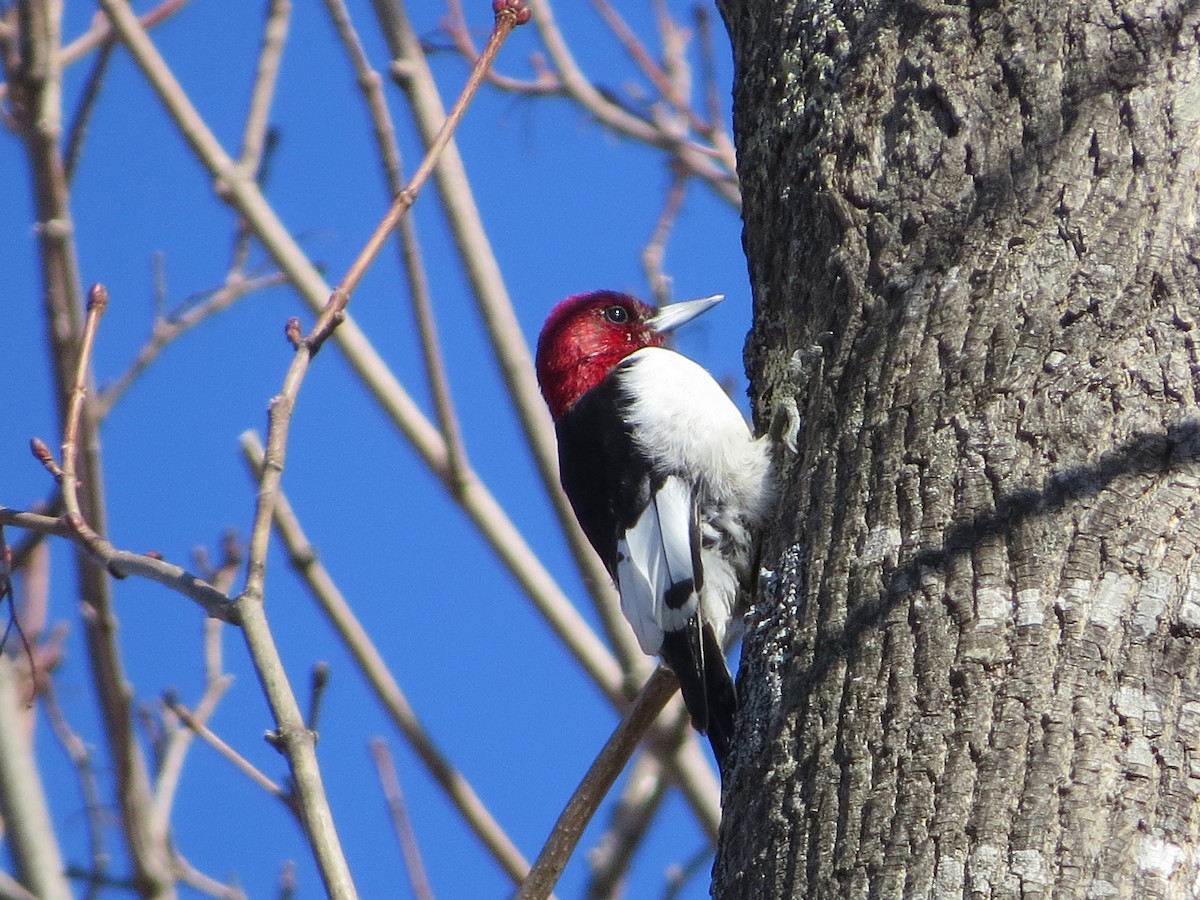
<point x="605" y="476"/>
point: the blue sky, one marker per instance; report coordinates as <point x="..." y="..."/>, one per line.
<point x="568" y="208"/>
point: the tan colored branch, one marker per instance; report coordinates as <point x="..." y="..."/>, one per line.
<point x="595" y="786"/>
<point x="170" y="770"/>
<point x="640" y="801"/>
<point x="695" y="157"/>
<point x="239" y="762"/>
<point x="401" y="823"/>
<point x="29" y="829"/>
<point x="81" y="759"/>
<point x="279" y="13"/>
<point x="165" y="330"/>
<point x="124" y="563"/>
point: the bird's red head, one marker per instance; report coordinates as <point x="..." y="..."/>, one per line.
<point x="583" y="338"/>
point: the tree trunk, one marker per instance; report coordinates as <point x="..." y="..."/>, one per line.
<point x="972" y="670"/>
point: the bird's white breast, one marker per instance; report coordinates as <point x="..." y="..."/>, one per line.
<point x="685" y="424"/>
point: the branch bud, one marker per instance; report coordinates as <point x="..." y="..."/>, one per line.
<point x="292" y="331"/>
<point x="97" y="298"/>
<point x="518" y="9"/>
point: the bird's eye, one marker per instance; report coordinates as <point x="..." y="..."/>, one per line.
<point x="618" y="315"/>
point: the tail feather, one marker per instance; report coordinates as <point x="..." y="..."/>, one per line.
<point x="708" y="692"/>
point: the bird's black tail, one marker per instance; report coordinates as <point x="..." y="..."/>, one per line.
<point x="695" y="656"/>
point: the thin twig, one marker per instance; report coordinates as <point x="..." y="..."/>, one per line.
<point x="32" y="607"/>
<point x="389" y="780"/>
<point x="81" y="759"/>
<point x="545" y="82"/>
<point x="222" y="579"/>
<point x="287" y="881"/>
<point x="275" y="32"/>
<point x="696" y="157"/>
<point x="52" y="508"/>
<point x="595" y="786"/>
<point x="656" y="248"/>
<point x="166" y="330"/>
<point x="239" y="762"/>
<point x="124" y="563"/>
<point x="679" y="876"/>
<point x="637" y="51"/>
<point x="84" y="109"/>
<point x="509" y="14"/>
<point x="68" y="479"/>
<point x="318" y="682"/>
<point x="718" y="134"/>
<point x="170" y="770"/>
<point x="640" y="801"/>
<point x="205" y="884"/>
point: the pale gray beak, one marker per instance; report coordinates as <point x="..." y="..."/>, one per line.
<point x="671" y="317"/>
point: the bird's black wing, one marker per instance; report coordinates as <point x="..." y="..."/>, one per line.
<point x="644" y="527"/>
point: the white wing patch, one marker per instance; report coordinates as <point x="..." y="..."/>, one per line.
<point x="654" y="556"/>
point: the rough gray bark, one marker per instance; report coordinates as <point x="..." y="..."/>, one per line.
<point x="973" y="671"/>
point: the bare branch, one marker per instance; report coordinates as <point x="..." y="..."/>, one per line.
<point x="84" y="109"/>
<point x="656" y="248"/>
<point x="166" y="330"/>
<point x="279" y="13"/>
<point x="39" y="77"/>
<point x="287" y="881"/>
<point x="663" y="83"/>
<point x="175" y="752"/>
<point x="101" y="33"/>
<point x="30" y="830"/>
<point x="545" y="82"/>
<point x="694" y="157"/>
<point x="68" y="479"/>
<point x="124" y="563"/>
<point x="206" y="884"/>
<point x="401" y="823"/>
<point x="679" y="876"/>
<point x="318" y="682"/>
<point x="81" y="758"/>
<point x="595" y="785"/>
<point x="239" y="762"/>
<point x="11" y="889"/>
<point x="509" y="14"/>
<point x="640" y="801"/>
<point x="718" y="135"/>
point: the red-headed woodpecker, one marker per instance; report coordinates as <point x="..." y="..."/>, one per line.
<point x="665" y="478"/>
